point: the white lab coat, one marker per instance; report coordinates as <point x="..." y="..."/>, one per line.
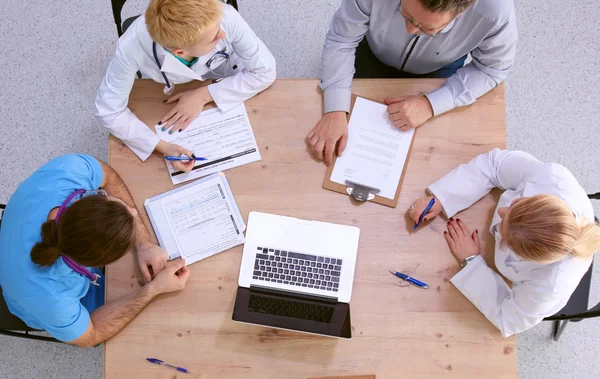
<point x="538" y="290"/>
<point x="255" y="72"/>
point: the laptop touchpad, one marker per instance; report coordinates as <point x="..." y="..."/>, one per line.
<point x="302" y="237"/>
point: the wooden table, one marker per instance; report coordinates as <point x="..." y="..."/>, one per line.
<point x="398" y="331"/>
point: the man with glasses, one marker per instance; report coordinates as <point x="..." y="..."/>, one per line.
<point x="412" y="39"/>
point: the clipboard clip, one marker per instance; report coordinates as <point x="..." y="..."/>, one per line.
<point x="361" y="192"/>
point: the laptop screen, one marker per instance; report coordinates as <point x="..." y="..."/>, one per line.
<point x="279" y="309"/>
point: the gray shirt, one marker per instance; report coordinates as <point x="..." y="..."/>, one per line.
<point x="487" y="30"/>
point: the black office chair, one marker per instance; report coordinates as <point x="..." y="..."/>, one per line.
<point x="577" y="307"/>
<point x="10" y="324"/>
<point x="117" y="7"/>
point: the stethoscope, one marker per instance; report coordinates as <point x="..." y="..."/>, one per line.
<point x="169" y="87"/>
<point x="70" y="262"/>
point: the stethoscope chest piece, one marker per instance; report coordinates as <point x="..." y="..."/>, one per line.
<point x="168" y="90"/>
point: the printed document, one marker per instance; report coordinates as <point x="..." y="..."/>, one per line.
<point x="224" y="138"/>
<point x="202" y="219"/>
<point x="376" y="151"/>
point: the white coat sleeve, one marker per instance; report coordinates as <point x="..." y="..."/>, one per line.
<point x="466" y="184"/>
<point x="259" y="66"/>
<point x="112" y="111"/>
<point x="510" y="310"/>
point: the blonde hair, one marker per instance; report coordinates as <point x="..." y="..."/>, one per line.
<point x="181" y="23"/>
<point x="543" y="229"/>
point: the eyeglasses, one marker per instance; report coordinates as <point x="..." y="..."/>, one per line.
<point x="426" y="31"/>
<point x="220" y="63"/>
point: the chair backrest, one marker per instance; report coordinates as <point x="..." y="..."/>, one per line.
<point x="117" y="7"/>
<point x="2" y="207"/>
<point x="8" y="320"/>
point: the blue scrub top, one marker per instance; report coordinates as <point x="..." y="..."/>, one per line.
<point x="54" y="298"/>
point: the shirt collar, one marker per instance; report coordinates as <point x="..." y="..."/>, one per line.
<point x="172" y="65"/>
<point x="448" y="27"/>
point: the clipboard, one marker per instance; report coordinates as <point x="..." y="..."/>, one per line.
<point x="359" y="191"/>
<point x="163" y="234"/>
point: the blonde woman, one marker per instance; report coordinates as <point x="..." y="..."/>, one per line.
<point x="544" y="229"/>
<point x="179" y="41"/>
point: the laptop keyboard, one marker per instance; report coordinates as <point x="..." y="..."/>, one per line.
<point x="297" y="269"/>
<point x="290" y="308"/>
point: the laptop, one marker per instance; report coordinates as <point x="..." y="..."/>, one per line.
<point x="297" y="275"/>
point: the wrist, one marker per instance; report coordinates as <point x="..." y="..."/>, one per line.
<point x="144" y="244"/>
<point x="153" y="289"/>
<point x="464" y="262"/>
<point x="336" y="114"/>
<point x="427" y="105"/>
<point x="204" y="94"/>
<point x="162" y="147"/>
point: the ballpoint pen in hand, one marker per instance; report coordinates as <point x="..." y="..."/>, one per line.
<point x="159" y="362"/>
<point x="412" y="281"/>
<point x="427" y="209"/>
<point x="184" y="158"/>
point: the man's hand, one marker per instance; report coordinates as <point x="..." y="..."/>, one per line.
<point x="330" y="131"/>
<point x="172" y="278"/>
<point x="409" y="112"/>
<point x="418" y="207"/>
<point x="152" y="259"/>
<point x="166" y="148"/>
<point x="189" y="105"/>
<point x="462" y="243"/>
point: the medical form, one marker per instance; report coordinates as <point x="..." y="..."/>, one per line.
<point x="226" y="139"/>
<point x="198" y="220"/>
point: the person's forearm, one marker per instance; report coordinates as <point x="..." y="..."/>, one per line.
<point x="115" y="186"/>
<point x="111" y="318"/>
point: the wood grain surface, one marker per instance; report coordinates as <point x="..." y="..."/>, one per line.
<point x="398" y="330"/>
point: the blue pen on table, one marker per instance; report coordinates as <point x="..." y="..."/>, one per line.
<point x="412" y="281"/>
<point x="184" y="158"/>
<point x="427" y="209"/>
<point x="159" y="362"/>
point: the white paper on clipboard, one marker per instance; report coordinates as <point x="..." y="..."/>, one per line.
<point x="197" y="220"/>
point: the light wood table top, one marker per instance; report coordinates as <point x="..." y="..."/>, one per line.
<point x="398" y="331"/>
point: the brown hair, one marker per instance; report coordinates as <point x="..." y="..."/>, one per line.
<point x="443" y="6"/>
<point x="181" y="23"/>
<point x="543" y="229"/>
<point x="93" y="231"/>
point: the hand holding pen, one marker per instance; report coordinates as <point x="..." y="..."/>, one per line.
<point x="424" y="209"/>
<point x="174" y="150"/>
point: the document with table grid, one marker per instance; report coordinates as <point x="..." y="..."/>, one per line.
<point x="198" y="220"/>
<point x="226" y="139"/>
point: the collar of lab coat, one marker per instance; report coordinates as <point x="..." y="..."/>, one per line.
<point x="174" y="66"/>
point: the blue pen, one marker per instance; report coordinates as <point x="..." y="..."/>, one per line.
<point x="184" y="158"/>
<point x="427" y="209"/>
<point x="412" y="281"/>
<point x="159" y="362"/>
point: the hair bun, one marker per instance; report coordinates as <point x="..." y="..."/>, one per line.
<point x="46" y="252"/>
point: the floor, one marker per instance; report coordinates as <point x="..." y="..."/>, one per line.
<point x="53" y="63"/>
